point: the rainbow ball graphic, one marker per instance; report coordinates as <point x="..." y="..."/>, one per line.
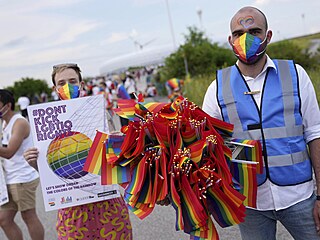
<point x="67" y="154"/>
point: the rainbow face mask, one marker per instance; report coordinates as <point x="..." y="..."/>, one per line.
<point x="248" y="48"/>
<point x="68" y="91"/>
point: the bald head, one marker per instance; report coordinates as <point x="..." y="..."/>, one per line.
<point x="247" y="17"/>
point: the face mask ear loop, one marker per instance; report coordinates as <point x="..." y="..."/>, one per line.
<point x="264" y="40"/>
<point x="264" y="48"/>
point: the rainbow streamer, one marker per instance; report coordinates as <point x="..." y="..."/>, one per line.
<point x="93" y="162"/>
<point x="68" y="91"/>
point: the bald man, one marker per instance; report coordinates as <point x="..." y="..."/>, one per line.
<point x="272" y="101"/>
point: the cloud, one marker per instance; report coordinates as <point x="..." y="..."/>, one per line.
<point x="116" y="37"/>
<point x="74" y="30"/>
<point x="15" y="42"/>
<point x="32" y="6"/>
<point x="20" y="57"/>
<point x="146" y="2"/>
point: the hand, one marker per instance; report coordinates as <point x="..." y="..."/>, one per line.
<point x="316" y="215"/>
<point x="31" y="156"/>
<point x="164" y="202"/>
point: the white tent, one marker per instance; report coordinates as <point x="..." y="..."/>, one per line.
<point x="144" y="57"/>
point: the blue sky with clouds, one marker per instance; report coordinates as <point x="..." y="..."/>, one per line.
<point x="36" y="34"/>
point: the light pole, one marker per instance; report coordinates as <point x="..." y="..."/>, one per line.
<point x="171" y="25"/>
<point x="174" y="40"/>
<point x="199" y="12"/>
<point x="303" y="24"/>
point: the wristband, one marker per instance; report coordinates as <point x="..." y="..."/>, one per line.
<point x="318" y="198"/>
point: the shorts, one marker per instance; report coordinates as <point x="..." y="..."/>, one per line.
<point x="22" y="196"/>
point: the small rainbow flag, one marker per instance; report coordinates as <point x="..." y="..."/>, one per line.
<point x="93" y="162"/>
<point x="253" y="153"/>
<point x="176" y="203"/>
<point x="113" y="147"/>
<point x="225" y="211"/>
<point x="126" y="108"/>
<point x="244" y="172"/>
<point x="68" y="91"/>
<point x="110" y="173"/>
<point x="209" y="233"/>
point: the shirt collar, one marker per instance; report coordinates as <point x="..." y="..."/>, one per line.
<point x="269" y="64"/>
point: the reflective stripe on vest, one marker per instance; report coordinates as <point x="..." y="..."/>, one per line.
<point x="278" y="123"/>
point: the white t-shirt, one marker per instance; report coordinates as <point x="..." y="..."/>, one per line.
<point x="271" y="196"/>
<point x="130" y="85"/>
<point x="23" y="102"/>
<point x="95" y="90"/>
<point x="17" y="169"/>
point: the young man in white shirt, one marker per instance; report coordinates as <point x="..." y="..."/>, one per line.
<point x="22" y="180"/>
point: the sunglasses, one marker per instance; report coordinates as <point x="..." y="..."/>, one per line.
<point x="65" y="65"/>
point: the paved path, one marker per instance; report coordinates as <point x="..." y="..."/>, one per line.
<point x="160" y="225"/>
<point x="157" y="226"/>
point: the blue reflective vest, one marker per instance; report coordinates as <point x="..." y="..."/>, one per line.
<point x="278" y="123"/>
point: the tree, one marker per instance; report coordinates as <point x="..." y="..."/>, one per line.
<point x="201" y="55"/>
<point x="29" y="87"/>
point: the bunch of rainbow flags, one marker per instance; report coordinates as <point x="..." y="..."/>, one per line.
<point x="177" y="152"/>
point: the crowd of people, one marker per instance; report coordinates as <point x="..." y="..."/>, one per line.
<point x="265" y="99"/>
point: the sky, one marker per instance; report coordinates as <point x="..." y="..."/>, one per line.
<point x="36" y="34"/>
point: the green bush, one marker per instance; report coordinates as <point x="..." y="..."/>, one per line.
<point x="199" y="55"/>
<point x="289" y="50"/>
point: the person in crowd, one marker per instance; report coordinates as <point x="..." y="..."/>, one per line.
<point x="174" y="88"/>
<point x="108" y="96"/>
<point x="54" y="95"/>
<point x="272" y="101"/>
<point x="130" y="85"/>
<point x="90" y="218"/>
<point x="44" y="97"/>
<point x="21" y="179"/>
<point x="23" y="103"/>
<point x="121" y="94"/>
<point x="151" y="90"/>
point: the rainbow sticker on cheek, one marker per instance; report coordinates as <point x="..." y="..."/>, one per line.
<point x="246" y="22"/>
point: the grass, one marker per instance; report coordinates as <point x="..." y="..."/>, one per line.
<point x="304" y="41"/>
<point x="315" y="78"/>
<point x="195" y="88"/>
